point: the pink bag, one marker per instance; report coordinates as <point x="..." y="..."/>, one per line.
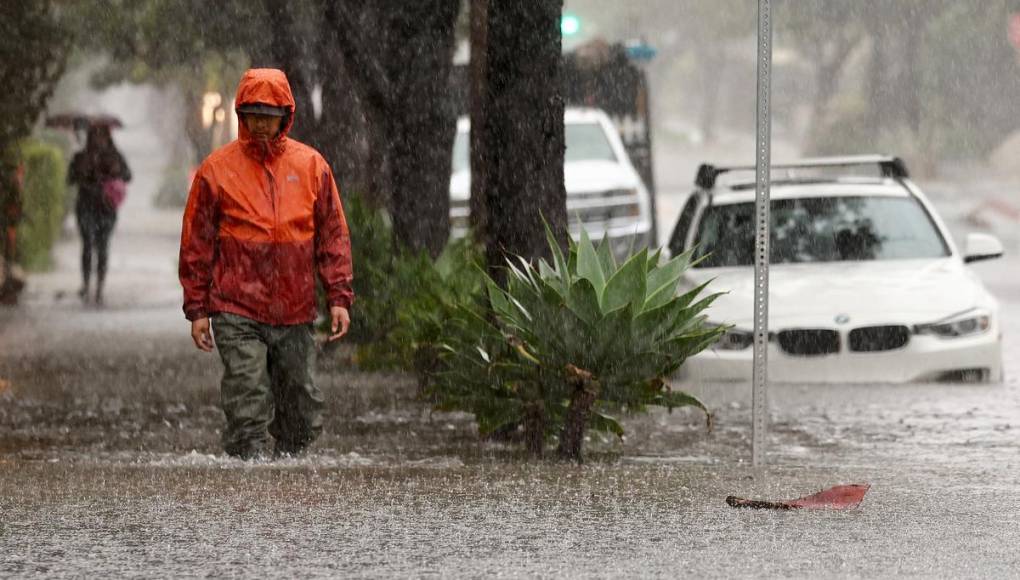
<point x="114" y="192"/>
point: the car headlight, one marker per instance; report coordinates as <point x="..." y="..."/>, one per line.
<point x="966" y="324"/>
<point x="735" y="339"/>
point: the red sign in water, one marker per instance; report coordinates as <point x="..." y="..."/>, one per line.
<point x="1014" y="30"/>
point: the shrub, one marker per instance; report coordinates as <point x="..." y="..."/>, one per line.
<point x="564" y="345"/>
<point x="403" y="298"/>
<point x="428" y="296"/>
<point x="383" y="278"/>
<point x="43" y="203"/>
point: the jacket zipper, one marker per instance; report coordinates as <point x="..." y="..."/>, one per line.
<point x="273" y="194"/>
<point x="274" y="259"/>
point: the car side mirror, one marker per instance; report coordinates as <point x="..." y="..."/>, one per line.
<point x="982" y="247"/>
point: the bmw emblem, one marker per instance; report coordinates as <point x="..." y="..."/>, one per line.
<point x="842" y="318"/>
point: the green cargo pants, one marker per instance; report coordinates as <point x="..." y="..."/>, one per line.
<point x="267" y="386"/>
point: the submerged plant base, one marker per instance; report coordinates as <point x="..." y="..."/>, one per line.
<point x="841" y="497"/>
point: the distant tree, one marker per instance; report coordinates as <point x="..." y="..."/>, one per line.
<point x="193" y="46"/>
<point x="518" y="126"/>
<point x="970" y="78"/>
<point x="826" y="32"/>
<point x="936" y="82"/>
<point x="707" y="28"/>
<point x="35" y="46"/>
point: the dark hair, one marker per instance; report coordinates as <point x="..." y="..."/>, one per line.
<point x="96" y="135"/>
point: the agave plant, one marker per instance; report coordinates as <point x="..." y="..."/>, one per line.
<point x="565" y="344"/>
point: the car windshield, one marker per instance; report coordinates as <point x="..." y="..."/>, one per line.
<point x="585" y="142"/>
<point x="823" y="229"/>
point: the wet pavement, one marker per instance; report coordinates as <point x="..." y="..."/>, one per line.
<point x="110" y="465"/>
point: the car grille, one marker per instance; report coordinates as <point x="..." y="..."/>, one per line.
<point x="808" y="341"/>
<point x="878" y="338"/>
<point x="576" y="216"/>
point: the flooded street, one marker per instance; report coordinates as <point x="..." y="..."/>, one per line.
<point x="110" y="466"/>
<point x="312" y="151"/>
<point x="492" y="519"/>
<point x="110" y="460"/>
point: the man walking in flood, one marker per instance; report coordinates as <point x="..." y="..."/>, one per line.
<point x="263" y="217"/>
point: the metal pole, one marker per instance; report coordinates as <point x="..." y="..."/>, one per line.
<point x="759" y="386"/>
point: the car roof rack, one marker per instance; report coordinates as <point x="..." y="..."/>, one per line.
<point x="888" y="165"/>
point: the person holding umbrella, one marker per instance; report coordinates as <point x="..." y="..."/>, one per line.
<point x="100" y="172"/>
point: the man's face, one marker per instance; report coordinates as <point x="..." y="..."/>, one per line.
<point x="262" y="127"/>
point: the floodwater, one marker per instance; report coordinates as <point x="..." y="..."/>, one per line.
<point x="110" y="465"/>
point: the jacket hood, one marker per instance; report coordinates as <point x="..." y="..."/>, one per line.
<point x="267" y="86"/>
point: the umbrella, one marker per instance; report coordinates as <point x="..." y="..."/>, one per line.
<point x="841" y="497"/>
<point x="82" y="121"/>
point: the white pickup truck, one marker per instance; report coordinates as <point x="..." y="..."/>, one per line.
<point x="605" y="194"/>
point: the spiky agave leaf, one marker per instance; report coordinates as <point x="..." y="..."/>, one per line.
<point x="605" y="423"/>
<point x="558" y="260"/>
<point x="589" y="267"/>
<point x="663" y="281"/>
<point x="676" y="399"/>
<point x="583" y="301"/>
<point x="605" y="253"/>
<point x="627" y="285"/>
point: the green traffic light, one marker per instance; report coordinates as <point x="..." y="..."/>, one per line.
<point x="570" y="25"/>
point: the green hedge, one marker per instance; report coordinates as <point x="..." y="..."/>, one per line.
<point x="44" y="206"/>
<point x="403" y="297"/>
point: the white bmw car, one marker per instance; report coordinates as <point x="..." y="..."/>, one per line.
<point x="866" y="285"/>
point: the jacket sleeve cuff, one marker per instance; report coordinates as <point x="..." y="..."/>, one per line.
<point x="195" y="314"/>
<point x="341" y="301"/>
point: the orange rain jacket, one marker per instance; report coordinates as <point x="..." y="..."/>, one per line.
<point x="261" y="219"/>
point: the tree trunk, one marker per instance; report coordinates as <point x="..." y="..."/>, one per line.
<point x="522" y="136"/>
<point x="343" y="130"/>
<point x="399" y="58"/>
<point x="912" y="105"/>
<point x="877" y="67"/>
<point x="199" y="137"/>
<point x="582" y="400"/>
<point x="534" y="429"/>
<point x="479" y="15"/>
<point x="827" y="76"/>
<point x="423" y="124"/>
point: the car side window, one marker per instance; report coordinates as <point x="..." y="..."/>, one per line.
<point x="683" y="225"/>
